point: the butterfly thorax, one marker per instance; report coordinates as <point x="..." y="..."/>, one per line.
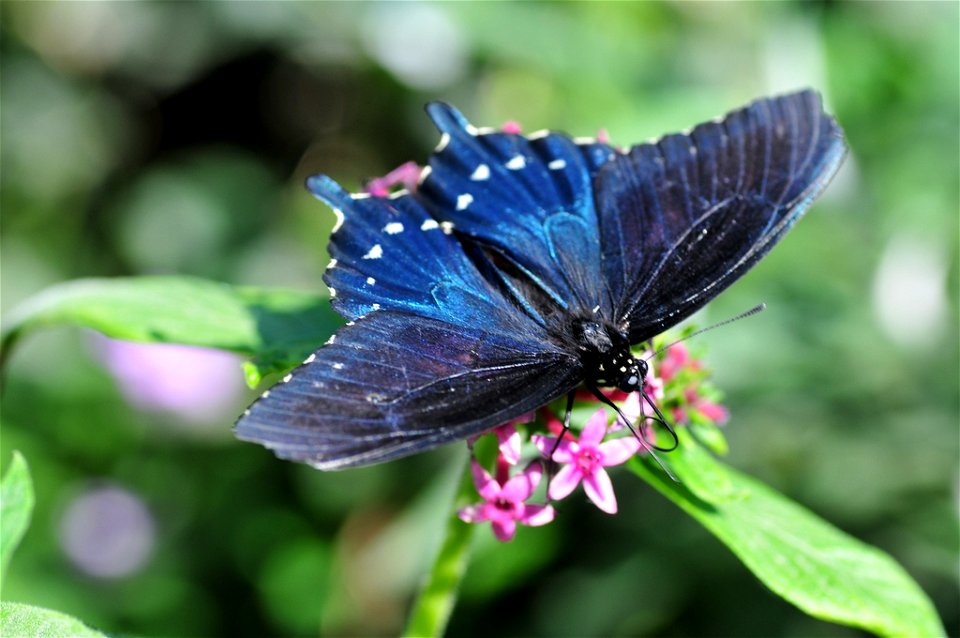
<point x="606" y="357"/>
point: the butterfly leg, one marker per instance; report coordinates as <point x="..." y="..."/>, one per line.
<point x="649" y="447"/>
<point x="551" y="465"/>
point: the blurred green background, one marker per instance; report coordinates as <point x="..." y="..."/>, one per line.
<point x="174" y="138"/>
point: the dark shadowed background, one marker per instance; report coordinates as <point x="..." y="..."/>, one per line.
<point x="146" y="138"/>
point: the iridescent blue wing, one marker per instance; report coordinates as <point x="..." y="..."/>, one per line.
<point x="390" y="254"/>
<point x="682" y="219"/>
<point x="394" y="384"/>
<point x="529" y="199"/>
<point x="437" y="352"/>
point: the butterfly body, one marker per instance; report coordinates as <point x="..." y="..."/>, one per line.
<point x="523" y="267"/>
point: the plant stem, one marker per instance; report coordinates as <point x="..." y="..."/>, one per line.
<point x="434" y="604"/>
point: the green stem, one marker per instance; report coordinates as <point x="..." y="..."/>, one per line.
<point x="434" y="604"/>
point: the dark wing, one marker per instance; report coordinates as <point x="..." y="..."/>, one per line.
<point x="395" y="384"/>
<point x="390" y="254"/>
<point x="682" y="219"/>
<point x="530" y="199"/>
<point x="437" y="352"/>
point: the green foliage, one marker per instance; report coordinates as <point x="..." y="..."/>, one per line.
<point x="438" y="595"/>
<point x="276" y="328"/>
<point x="823" y="571"/>
<point x="122" y="156"/>
<point x="27" y="621"/>
<point x="16" y="506"/>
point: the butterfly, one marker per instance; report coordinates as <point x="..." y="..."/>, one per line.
<point x="523" y="267"/>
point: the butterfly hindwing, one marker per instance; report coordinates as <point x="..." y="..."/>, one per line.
<point x="682" y="219"/>
<point x="394" y="383"/>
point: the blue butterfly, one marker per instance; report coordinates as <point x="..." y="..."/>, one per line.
<point x="523" y="267"/>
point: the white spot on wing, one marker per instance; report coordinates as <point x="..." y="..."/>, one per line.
<point x="481" y="173"/>
<point x="338" y="366"/>
<point x="446" y="227"/>
<point x="584" y="140"/>
<point x="516" y="163"/>
<point x="333" y="292"/>
<point x="330" y="340"/>
<point x="359" y="195"/>
<point x="423" y="174"/>
<point x="310" y="359"/>
<point x="429" y="224"/>
<point x="557" y="164"/>
<point x="398" y="194"/>
<point x="444" y="140"/>
<point x="337" y="224"/>
<point x="371" y="281"/>
<point x="536" y="135"/>
<point x="464" y="200"/>
<point x="393" y="228"/>
<point x="332" y="264"/>
<point x="265" y="395"/>
<point x="376" y="306"/>
<point x="287" y="378"/>
<point x="374" y="253"/>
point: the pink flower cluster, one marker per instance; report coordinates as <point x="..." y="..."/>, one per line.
<point x="584" y="456"/>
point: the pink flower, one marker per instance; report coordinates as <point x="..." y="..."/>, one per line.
<point x="677" y="356"/>
<point x="504" y="504"/>
<point x="710" y="410"/>
<point x="508" y="438"/>
<point x="512" y="127"/>
<point x="404" y="176"/>
<point x="585" y="459"/>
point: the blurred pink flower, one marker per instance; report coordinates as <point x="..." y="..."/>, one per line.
<point x="584" y="460"/>
<point x="199" y="385"/>
<point x="404" y="176"/>
<point x="504" y="504"/>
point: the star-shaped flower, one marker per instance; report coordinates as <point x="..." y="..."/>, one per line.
<point x="584" y="459"/>
<point x="503" y="505"/>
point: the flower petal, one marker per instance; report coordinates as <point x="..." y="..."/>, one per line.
<point x="488" y="488"/>
<point x="504" y="530"/>
<point x="564" y="452"/>
<point x="713" y="411"/>
<point x="595" y="429"/>
<point x="471" y="514"/>
<point x="509" y="440"/>
<point x="521" y="486"/>
<point x="617" y="451"/>
<point x="632" y="409"/>
<point x="564" y="482"/>
<point x="536" y="515"/>
<point x="600" y="490"/>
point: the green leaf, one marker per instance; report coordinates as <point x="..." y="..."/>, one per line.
<point x="802" y="558"/>
<point x="434" y="604"/>
<point x="276" y="328"/>
<point x="23" y="621"/>
<point x="16" y="505"/>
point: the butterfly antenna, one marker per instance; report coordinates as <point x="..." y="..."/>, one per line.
<point x="743" y="315"/>
<point x="649" y="447"/>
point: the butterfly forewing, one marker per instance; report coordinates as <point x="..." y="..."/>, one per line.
<point x="530" y="199"/>
<point x="682" y="219"/>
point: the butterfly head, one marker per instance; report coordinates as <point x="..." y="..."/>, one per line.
<point x="605" y="353"/>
